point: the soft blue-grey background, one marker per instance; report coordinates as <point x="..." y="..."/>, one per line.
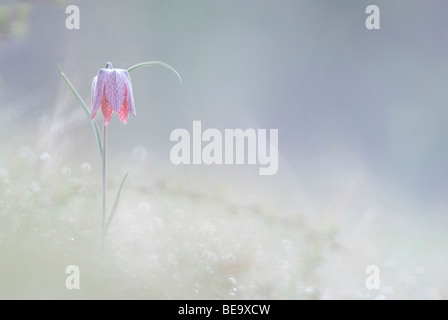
<point x="309" y="68"/>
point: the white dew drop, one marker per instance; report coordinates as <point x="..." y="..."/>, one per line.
<point x="309" y="290"/>
<point x="209" y="256"/>
<point x="45" y="157"/>
<point x="86" y="167"/>
<point x="140" y="154"/>
<point x="66" y="171"/>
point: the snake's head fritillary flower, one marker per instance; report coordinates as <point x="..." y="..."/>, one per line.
<point x="112" y="91"/>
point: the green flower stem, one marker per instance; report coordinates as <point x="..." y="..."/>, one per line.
<point x="104" y="178"/>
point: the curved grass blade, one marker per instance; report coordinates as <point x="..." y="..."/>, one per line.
<point x="86" y="110"/>
<point x="155" y="63"/>
<point x="115" y="204"/>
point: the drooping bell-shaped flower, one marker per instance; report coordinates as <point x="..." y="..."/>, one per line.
<point x="112" y="91"/>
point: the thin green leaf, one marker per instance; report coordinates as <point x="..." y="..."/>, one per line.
<point x="86" y="110"/>
<point x="155" y="63"/>
<point x="116" y="201"/>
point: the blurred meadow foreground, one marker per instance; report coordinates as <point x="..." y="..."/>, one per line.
<point x="362" y="178"/>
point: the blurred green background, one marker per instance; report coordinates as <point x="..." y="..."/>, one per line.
<point x="362" y="173"/>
